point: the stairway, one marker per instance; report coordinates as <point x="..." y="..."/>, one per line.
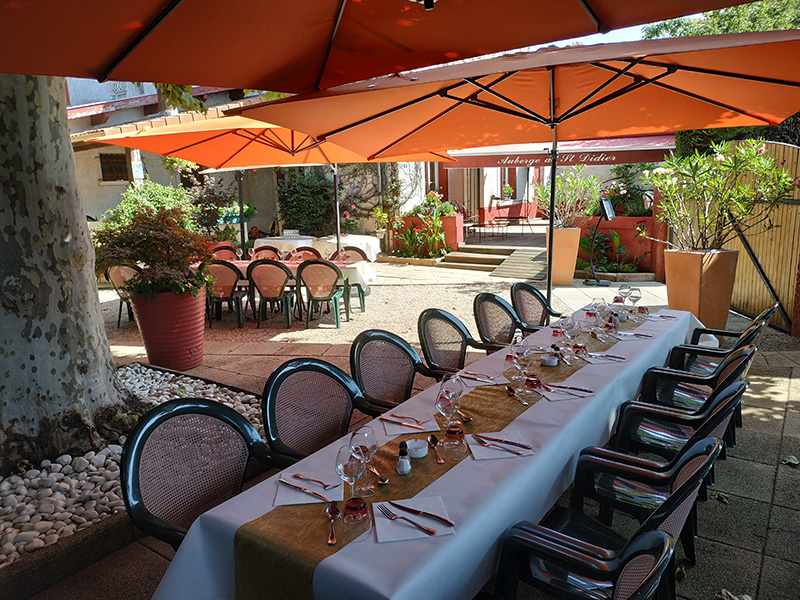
<point x="476" y="258"/>
<point x="524" y="264"/>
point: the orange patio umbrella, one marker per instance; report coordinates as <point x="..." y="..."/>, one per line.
<point x="609" y="90"/>
<point x="292" y="46"/>
<point x="240" y="143"/>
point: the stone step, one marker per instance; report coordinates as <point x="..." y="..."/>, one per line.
<point x="477" y="249"/>
<point x="524" y="264"/>
<point x="466" y="266"/>
<point x="474" y="257"/>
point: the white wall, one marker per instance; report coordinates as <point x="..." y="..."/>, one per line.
<point x="412" y="184"/>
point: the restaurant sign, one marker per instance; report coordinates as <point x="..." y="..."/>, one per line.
<point x="567" y="158"/>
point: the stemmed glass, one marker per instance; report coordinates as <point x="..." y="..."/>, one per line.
<point x="448" y="400"/>
<point x="363" y="440"/>
<point x="516" y="353"/>
<point x="351" y="465"/>
<point x="624" y="291"/>
<point x="239" y="253"/>
<point x="634" y="296"/>
<point x="252" y="253"/>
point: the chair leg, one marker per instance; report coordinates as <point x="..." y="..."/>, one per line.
<point x="287" y="309"/>
<point x="737" y="415"/>
<point x="239" y="319"/>
<point x="210" y="311"/>
<point x="309" y="308"/>
<point x="687" y="539"/>
<point x="119" y="312"/>
<point x="336" y="312"/>
<point x="361" y="298"/>
<point x="218" y="307"/>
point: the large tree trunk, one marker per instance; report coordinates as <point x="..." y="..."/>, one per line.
<point x="56" y="371"/>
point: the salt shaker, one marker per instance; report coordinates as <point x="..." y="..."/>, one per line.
<point x="403" y="462"/>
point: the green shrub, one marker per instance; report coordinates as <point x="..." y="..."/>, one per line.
<point x="153" y="196"/>
<point x="306" y="202"/>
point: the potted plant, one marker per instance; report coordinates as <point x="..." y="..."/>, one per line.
<point x="574" y="194"/>
<point x="706" y="199"/>
<point x="381" y="219"/>
<point x="508" y="192"/>
<point x="168" y="294"/>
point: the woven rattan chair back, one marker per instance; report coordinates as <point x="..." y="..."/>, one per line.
<point x="320" y="278"/>
<point x="350" y="254"/>
<point x="226" y="276"/>
<point x="496" y="320"/>
<point x="118" y="275"/>
<point x="225" y="254"/>
<point x="268" y="252"/>
<point x="443" y="338"/>
<point x="269" y="277"/>
<point x="302" y="253"/>
<point x="530" y="304"/>
<point x="384" y="367"/>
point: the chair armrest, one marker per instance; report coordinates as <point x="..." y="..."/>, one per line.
<point x="678" y="354"/>
<point x="721" y="332"/>
<point x="624" y="457"/>
<point x="488" y="346"/>
<point x="530" y="328"/>
<point x="571" y="546"/>
<point x="630" y="410"/>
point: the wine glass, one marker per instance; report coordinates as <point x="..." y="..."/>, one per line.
<point x="364" y="441"/>
<point x="634" y="296"/>
<point x="239" y="253"/>
<point x="252" y="253"/>
<point x="516" y="353"/>
<point x="624" y="291"/>
<point x="448" y="400"/>
<point x="350" y="466"/>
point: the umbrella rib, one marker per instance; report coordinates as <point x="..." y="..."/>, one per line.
<point x="329" y="48"/>
<point x="503" y="98"/>
<point x="599" y="26"/>
<point x="500" y="109"/>
<point x="695" y="96"/>
<point x="140" y="39"/>
<point x="704" y="71"/>
<point x="568" y="113"/>
<point x="389" y="111"/>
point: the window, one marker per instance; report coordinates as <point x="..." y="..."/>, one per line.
<point x="114" y="167"/>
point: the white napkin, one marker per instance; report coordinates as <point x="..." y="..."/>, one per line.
<point x="495" y="378"/>
<point x="484" y="453"/>
<point x="394" y="429"/>
<point x="398" y="530"/>
<point x="288" y="495"/>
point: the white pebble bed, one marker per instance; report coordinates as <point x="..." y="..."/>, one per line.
<point x="69" y="493"/>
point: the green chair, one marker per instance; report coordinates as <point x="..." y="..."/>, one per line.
<point x="323" y="283"/>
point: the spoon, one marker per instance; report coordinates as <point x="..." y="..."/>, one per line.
<point x="333" y="513"/>
<point x="466" y="418"/>
<point x="512" y="392"/>
<point x="381" y="479"/>
<point x="433" y="441"/>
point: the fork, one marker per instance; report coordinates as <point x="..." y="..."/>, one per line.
<point x="326" y="486"/>
<point x="391" y="516"/>
<point x="417" y="421"/>
<point x="483" y="442"/>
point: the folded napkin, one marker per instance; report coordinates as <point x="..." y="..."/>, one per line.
<point x="286" y="495"/>
<point x="398" y="530"/>
<point x="484" y="453"/>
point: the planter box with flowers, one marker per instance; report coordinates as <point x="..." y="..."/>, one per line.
<point x="429" y="231"/>
<point x="705" y="200"/>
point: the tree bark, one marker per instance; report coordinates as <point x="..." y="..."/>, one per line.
<point x="56" y="372"/>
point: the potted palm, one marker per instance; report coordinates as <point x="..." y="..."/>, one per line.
<point x="707" y="199"/>
<point x="574" y="194"/>
<point x="168" y="294"/>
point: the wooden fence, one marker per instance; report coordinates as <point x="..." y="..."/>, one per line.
<point x="777" y="250"/>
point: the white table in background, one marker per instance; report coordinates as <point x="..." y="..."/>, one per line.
<point x="483" y="498"/>
<point x="285" y="244"/>
<point x="369" y="244"/>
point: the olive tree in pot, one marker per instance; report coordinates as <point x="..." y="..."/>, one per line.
<point x="168" y="294"/>
<point x="575" y="193"/>
<point x="707" y="199"/>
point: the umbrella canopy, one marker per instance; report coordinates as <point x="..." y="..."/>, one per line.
<point x="610" y="90"/>
<point x="239" y="142"/>
<point x="291" y="46"/>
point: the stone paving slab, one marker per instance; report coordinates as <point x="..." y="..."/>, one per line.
<point x="745" y="478"/>
<point x="759" y="447"/>
<point x="721" y="566"/>
<point x="741" y="522"/>
<point x="783" y="535"/>
<point x="779" y="580"/>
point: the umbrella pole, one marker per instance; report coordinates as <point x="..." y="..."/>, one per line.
<point x="240" y="185"/>
<point x="553" y="166"/>
<point x="336" y="198"/>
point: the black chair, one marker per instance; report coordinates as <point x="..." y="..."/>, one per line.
<point x="531" y="305"/>
<point x="694" y="359"/>
<point x="302" y="253"/>
<point x="225" y="289"/>
<point x="117" y="276"/>
<point x="307" y="404"/>
<point x="225" y="253"/>
<point x="764" y="317"/>
<point x="323" y="283"/>
<point x="444" y="340"/>
<point x="680" y="487"/>
<point x="384" y="366"/>
<point x="497" y="321"/>
<point x="271" y="280"/>
<point x="183" y="458"/>
<point x="568" y="568"/>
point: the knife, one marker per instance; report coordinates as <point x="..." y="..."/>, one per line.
<point x="629" y="333"/>
<point x="382" y="418"/>
<point x="571" y="387"/>
<point x="414" y="511"/>
<point x="491" y="439"/>
<point x="602" y="355"/>
<point x="306" y="490"/>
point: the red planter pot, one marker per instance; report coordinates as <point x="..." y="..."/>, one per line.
<point x="626" y="228"/>
<point x="173" y="328"/>
<point x="453" y="226"/>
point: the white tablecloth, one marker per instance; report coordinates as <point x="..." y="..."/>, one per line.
<point x="285" y="244"/>
<point x="484" y="497"/>
<point x="360" y="273"/>
<point x="369" y="244"/>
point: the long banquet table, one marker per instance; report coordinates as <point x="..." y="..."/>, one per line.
<point x="482" y="497"/>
